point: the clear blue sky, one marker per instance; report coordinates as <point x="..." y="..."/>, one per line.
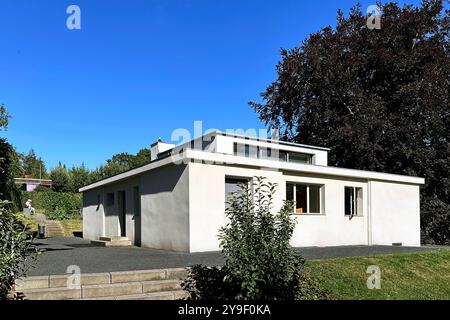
<point x="139" y="69"/>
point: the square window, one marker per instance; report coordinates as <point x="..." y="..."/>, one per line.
<point x="110" y="199"/>
<point x="353" y="198"/>
<point x="306" y="198"/>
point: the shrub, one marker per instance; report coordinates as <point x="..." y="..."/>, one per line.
<point x="16" y="252"/>
<point x="260" y="263"/>
<point x="57" y="205"/>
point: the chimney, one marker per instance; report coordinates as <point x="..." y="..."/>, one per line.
<point x="159" y="147"/>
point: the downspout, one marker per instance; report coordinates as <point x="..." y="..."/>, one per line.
<point x="369" y="213"/>
<point x="103" y="212"/>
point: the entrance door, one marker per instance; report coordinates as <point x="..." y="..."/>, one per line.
<point x="137" y="216"/>
<point x="122" y="213"/>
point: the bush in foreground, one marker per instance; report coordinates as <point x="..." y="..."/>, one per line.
<point x="260" y="263"/>
<point x="16" y="252"/>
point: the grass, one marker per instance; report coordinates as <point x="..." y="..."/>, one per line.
<point x="418" y="276"/>
<point x="72" y="225"/>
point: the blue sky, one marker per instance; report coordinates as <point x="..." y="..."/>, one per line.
<point x="139" y="69"/>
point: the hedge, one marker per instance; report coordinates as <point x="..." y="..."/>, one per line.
<point x="57" y="205"/>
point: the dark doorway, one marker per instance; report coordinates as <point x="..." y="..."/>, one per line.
<point x="122" y="213"/>
<point x="137" y="216"/>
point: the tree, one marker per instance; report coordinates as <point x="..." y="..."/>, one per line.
<point x="79" y="177"/>
<point x="4" y="117"/>
<point x="120" y="163"/>
<point x="33" y="165"/>
<point x="60" y="179"/>
<point x="379" y="98"/>
<point x="260" y="263"/>
<point x="9" y="167"/>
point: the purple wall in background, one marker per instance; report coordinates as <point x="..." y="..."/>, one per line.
<point x="31" y="187"/>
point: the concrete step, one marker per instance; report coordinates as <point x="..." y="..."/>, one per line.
<point x="116" y="243"/>
<point x="111" y="290"/>
<point x="156" y="284"/>
<point x="161" y="285"/>
<point x="114" y="238"/>
<point x="52" y="294"/>
<point x="56" y="281"/>
<point x="53" y="228"/>
<point x="165" y="295"/>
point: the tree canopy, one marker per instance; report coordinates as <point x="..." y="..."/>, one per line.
<point x="4" y="117"/>
<point x="379" y="98"/>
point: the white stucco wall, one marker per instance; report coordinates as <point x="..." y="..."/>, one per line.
<point x="182" y="208"/>
<point x="207" y="201"/>
<point x="332" y="228"/>
<point x="395" y="213"/>
<point x="93" y="214"/>
<point x="207" y="206"/>
<point x="165" y="208"/>
<point x="105" y="221"/>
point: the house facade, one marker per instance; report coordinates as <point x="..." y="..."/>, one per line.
<point x="177" y="202"/>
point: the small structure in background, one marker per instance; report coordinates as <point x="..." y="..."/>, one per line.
<point x="30" y="184"/>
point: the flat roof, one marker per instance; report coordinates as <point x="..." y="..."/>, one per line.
<point x="225" y="159"/>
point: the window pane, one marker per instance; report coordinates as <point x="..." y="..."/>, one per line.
<point x="290" y="192"/>
<point x="240" y="149"/>
<point x="233" y="185"/>
<point x="252" y="151"/>
<point x="265" y="153"/>
<point x="283" y="155"/>
<point x="301" y="199"/>
<point x="348" y="201"/>
<point x="299" y="157"/>
<point x="359" y="201"/>
<point x="314" y="199"/>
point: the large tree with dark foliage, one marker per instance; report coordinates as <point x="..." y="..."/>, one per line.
<point x="9" y="166"/>
<point x="379" y="98"/>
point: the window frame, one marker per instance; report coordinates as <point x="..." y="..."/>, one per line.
<point x="354" y="211"/>
<point x="308" y="199"/>
<point x="249" y="181"/>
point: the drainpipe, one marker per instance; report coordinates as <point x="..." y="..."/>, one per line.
<point x="369" y="213"/>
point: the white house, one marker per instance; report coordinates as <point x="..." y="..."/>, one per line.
<point x="177" y="202"/>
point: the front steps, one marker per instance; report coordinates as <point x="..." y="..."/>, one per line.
<point x="164" y="284"/>
<point x="112" y="242"/>
<point x="53" y="228"/>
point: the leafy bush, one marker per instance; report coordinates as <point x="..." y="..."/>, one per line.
<point x="260" y="263"/>
<point x="57" y="205"/>
<point x="16" y="252"/>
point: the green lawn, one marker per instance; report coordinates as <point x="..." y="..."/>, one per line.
<point x="403" y="276"/>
